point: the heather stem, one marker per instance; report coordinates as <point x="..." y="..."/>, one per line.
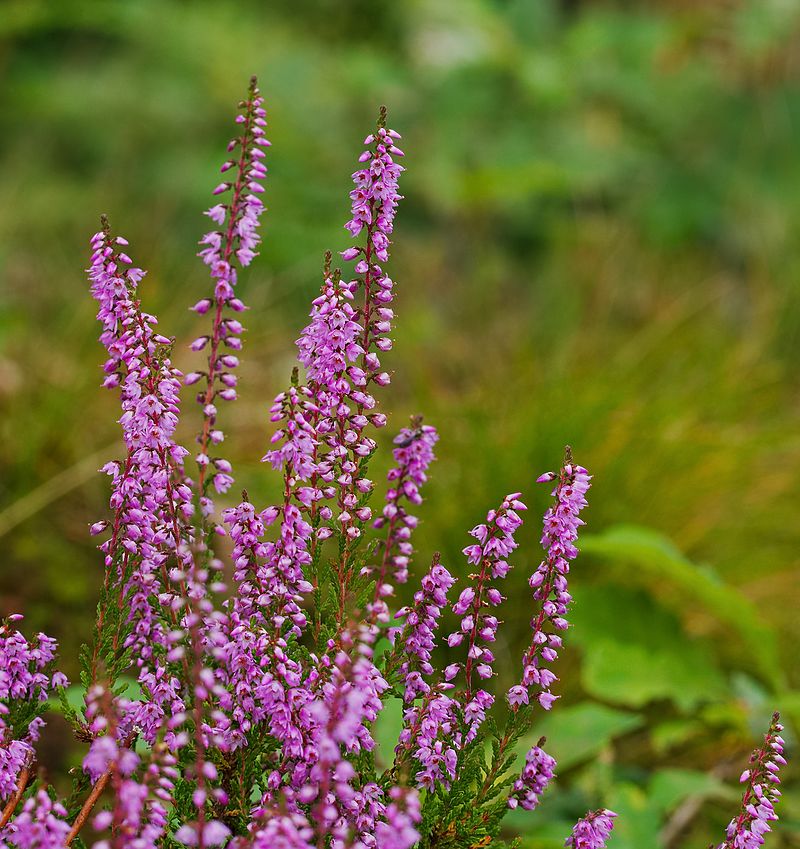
<point x="25" y="777"/>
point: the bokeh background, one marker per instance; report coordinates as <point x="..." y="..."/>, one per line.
<point x="600" y="245"/>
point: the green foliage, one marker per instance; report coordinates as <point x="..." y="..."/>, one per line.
<point x="640" y="557"/>
<point x="639" y="653"/>
<point x="576" y="734"/>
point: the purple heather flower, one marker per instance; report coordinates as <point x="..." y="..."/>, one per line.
<point x="41" y="824"/>
<point x="349" y="701"/>
<point x="413" y="455"/>
<point x="374" y="203"/>
<point x="15" y="755"/>
<point x="431" y="735"/>
<point x="235" y="243"/>
<point x="141" y="807"/>
<point x="592" y="831"/>
<point x="298" y="438"/>
<point x="549" y="583"/>
<point x="536" y="775"/>
<point x="748" y="828"/>
<point x="150" y="497"/>
<point x="284" y="831"/>
<point x="153" y="499"/>
<point x="495" y="542"/>
<point x="214" y="833"/>
<point x="26" y="675"/>
<point x="416" y="638"/>
<point x="270" y="587"/>
<point x="339" y="349"/>
<point x="397" y="829"/>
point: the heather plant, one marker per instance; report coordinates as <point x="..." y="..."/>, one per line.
<point x="264" y="641"/>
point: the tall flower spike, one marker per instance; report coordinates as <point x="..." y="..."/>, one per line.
<point x="747" y="830"/>
<point x="413" y="455"/>
<point x="592" y="831"/>
<point x="151" y="497"/>
<point x="415" y="640"/>
<point x="549" y="583"/>
<point x="340" y="348"/>
<point x="233" y="244"/>
<point x="325" y="433"/>
<point x="495" y="542"/>
<point x="374" y="204"/>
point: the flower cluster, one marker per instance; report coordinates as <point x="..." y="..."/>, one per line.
<point x="432" y="738"/>
<point x="413" y="454"/>
<point x="747" y="830"/>
<point x="417" y="637"/>
<point x="151" y="496"/>
<point x="40" y="825"/>
<point x="549" y="583"/>
<point x="537" y="773"/>
<point x="235" y="242"/>
<point x="495" y="542"/>
<point x="592" y="831"/>
<point x="323" y="444"/>
<point x="26" y="678"/>
<point x="254" y="722"/>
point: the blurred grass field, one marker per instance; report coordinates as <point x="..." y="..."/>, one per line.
<point x="600" y="245"/>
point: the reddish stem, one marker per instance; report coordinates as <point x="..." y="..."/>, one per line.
<point x="22" y="785"/>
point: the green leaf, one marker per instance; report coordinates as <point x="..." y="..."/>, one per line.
<point x="686" y="587"/>
<point x="386" y="730"/>
<point x="673" y="732"/>
<point x="638" y="821"/>
<point x="575" y="734"/>
<point x="637" y="652"/>
<point x="669" y="787"/>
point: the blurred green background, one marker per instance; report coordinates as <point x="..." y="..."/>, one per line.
<point x="600" y="245"/>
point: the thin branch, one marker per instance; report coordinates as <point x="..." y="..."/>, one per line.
<point x="22" y="785"/>
<point x="97" y="792"/>
<point x="88" y="805"/>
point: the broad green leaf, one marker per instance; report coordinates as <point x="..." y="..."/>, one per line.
<point x="386" y="731"/>
<point x="674" y="732"/>
<point x="685" y="586"/>
<point x="638" y="821"/>
<point x="575" y="734"/>
<point x="669" y="787"/>
<point x="636" y="652"/>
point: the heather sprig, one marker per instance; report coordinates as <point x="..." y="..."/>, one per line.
<point x="478" y="625"/>
<point x="537" y="773"/>
<point x="233" y="244"/>
<point x="748" y="829"/>
<point x="549" y="584"/>
<point x="413" y="454"/>
<point x="415" y="640"/>
<point x="27" y="679"/>
<point x="592" y="831"/>
<point x="254" y="723"/>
